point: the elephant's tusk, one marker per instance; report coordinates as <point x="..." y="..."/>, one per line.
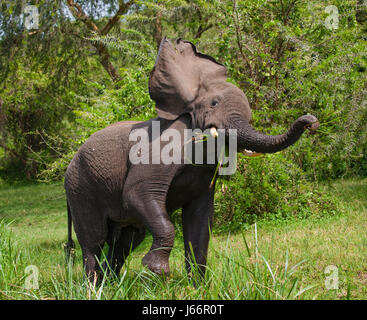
<point x="250" y="153"/>
<point x="213" y="132"/>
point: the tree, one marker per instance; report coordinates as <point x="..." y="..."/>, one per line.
<point x="89" y="22"/>
<point x="43" y="73"/>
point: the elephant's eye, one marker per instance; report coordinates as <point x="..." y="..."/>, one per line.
<point x="215" y="102"/>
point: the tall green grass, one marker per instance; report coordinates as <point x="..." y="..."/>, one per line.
<point x="280" y="260"/>
<point x="231" y="274"/>
<point x="11" y="264"/>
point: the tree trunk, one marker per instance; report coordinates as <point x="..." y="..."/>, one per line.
<point x="158" y="29"/>
<point x="106" y="63"/>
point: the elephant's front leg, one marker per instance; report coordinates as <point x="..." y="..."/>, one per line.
<point x="197" y="219"/>
<point x="162" y="229"/>
<point x="151" y="211"/>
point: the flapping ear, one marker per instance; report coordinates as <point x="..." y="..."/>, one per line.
<point x="179" y="72"/>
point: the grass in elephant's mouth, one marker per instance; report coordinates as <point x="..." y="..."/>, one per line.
<point x="278" y="261"/>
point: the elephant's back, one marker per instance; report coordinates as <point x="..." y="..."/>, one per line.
<point x="123" y="124"/>
<point x="101" y="162"/>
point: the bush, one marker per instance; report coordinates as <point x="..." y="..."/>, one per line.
<point x="270" y="187"/>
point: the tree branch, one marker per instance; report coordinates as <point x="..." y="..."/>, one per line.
<point x="238" y="37"/>
<point x="79" y="14"/>
<point x="202" y="29"/>
<point x="123" y="7"/>
<point x="158" y="29"/>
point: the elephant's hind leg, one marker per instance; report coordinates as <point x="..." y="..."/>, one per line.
<point x="91" y="256"/>
<point x="91" y="231"/>
<point x="121" y="242"/>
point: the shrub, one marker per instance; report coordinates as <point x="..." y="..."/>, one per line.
<point x="270" y="187"/>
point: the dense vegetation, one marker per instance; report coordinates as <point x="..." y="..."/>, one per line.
<point x="88" y="62"/>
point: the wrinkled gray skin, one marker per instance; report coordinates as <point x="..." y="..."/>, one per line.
<point x="111" y="200"/>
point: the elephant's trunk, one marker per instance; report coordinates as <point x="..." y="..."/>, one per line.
<point x="251" y="139"/>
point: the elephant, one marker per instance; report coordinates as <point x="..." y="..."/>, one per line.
<point x="113" y="200"/>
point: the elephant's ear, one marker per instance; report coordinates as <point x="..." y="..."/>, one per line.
<point x="179" y="72"/>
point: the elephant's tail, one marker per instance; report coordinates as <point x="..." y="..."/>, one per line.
<point x="70" y="245"/>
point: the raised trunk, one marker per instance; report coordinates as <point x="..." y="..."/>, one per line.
<point x="251" y="139"/>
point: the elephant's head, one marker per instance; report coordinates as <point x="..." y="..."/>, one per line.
<point x="186" y="81"/>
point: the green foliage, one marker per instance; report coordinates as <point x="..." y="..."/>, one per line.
<point x="30" y="116"/>
<point x="41" y="74"/>
<point x="130" y="101"/>
<point x="55" y="92"/>
<point x="270" y="187"/>
<point x="289" y="63"/>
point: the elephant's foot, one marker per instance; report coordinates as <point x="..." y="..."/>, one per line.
<point x="157" y="261"/>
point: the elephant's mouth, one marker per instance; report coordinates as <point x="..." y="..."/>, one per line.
<point x="214" y="133"/>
